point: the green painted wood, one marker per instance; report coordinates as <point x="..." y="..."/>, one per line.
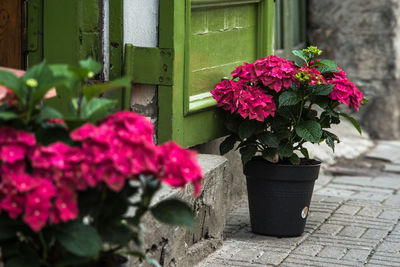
<point x="220" y="3"/>
<point x="149" y="65"/>
<point x="116" y="38"/>
<point x="208" y="38"/>
<point x="34" y="32"/>
<point x="70" y="30"/>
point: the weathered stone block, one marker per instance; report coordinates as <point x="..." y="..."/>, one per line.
<point x="178" y="246"/>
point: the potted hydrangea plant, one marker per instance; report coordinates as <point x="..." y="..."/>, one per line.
<point x="274" y="107"/>
<point x="69" y="175"/>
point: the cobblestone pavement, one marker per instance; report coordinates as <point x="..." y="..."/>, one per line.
<point x="354" y="221"/>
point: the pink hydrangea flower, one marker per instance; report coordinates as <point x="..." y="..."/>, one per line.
<point x="249" y="101"/>
<point x="179" y="167"/>
<point x="245" y="72"/>
<point x="13" y="204"/>
<point x="66" y="205"/>
<point x="275" y="72"/>
<point x="344" y="91"/>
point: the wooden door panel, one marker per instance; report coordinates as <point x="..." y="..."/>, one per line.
<point x="11" y="33"/>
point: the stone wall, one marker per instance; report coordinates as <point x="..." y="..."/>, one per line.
<point x="363" y="37"/>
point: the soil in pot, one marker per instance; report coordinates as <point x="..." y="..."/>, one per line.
<point x="112" y="260"/>
<point x="279" y="196"/>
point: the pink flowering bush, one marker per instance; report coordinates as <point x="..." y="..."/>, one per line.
<point x="67" y="177"/>
<point x="275" y="105"/>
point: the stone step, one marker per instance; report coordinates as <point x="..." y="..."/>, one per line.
<point x="178" y="246"/>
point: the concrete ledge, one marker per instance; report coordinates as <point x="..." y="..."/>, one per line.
<point x="178" y="246"/>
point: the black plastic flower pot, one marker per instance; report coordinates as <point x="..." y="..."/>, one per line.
<point x="279" y="196"/>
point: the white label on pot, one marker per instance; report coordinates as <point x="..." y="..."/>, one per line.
<point x="304" y="212"/>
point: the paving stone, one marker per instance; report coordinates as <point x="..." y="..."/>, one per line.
<point x="349" y="209"/>
<point x="357" y="254"/>
<point x="393" y="200"/>
<point x="375" y="234"/>
<point x="352" y="231"/>
<point x="270" y="257"/>
<point x="386" y="150"/>
<point x="371" y="196"/>
<point x="331" y="229"/>
<point x="335" y="192"/>
<point x="309" y="249"/>
<point x="332" y="252"/>
<point x="395" y="168"/>
<point x="372" y="212"/>
<point x="390" y="214"/>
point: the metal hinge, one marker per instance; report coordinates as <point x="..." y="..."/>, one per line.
<point x="149" y="65"/>
<point x="33" y="24"/>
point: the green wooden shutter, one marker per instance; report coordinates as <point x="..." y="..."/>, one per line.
<point x="200" y="41"/>
<point x="62" y="31"/>
<point x="290" y="26"/>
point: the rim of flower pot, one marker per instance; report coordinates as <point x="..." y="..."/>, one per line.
<point x="312" y="163"/>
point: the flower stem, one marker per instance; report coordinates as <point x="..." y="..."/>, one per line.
<point x="44" y="245"/>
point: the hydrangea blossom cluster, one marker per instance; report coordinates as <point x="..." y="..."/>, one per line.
<point x="246" y="95"/>
<point x="248" y="100"/>
<point x="273" y="72"/>
<point x="344" y="91"/>
<point x="250" y="92"/>
<point x="119" y="148"/>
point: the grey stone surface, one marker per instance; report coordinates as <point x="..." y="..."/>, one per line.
<point x="362" y="36"/>
<point x="395" y="168"/>
<point x="178" y="246"/>
<point x="386" y="150"/>
<point x="354" y="221"/>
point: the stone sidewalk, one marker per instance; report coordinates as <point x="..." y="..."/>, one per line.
<point x="353" y="221"/>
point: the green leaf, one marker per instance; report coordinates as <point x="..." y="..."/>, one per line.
<point x="330" y="139"/>
<point x="247" y="153"/>
<point x="174" y="212"/>
<point x="97" y="89"/>
<point x="97" y="108"/>
<point x="270" y="154"/>
<point x="309" y="131"/>
<point x="79" y="239"/>
<point x="91" y="65"/>
<point x="289" y="98"/>
<point x="246" y="129"/>
<point x="300" y="54"/>
<point x="232" y="125"/>
<point x="269" y="139"/>
<point x="115" y="234"/>
<point x="26" y="256"/>
<point x="5" y="115"/>
<point x="294" y="159"/>
<point x="304" y="151"/>
<point x="327" y="65"/>
<point x="352" y="121"/>
<point x="11" y="81"/>
<point x="285" y="150"/>
<point x="47" y="112"/>
<point x="8" y="229"/>
<point x="20" y="262"/>
<point x="228" y="144"/>
<point x="322" y="89"/>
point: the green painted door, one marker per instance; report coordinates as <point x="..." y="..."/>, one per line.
<point x="207" y="38"/>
